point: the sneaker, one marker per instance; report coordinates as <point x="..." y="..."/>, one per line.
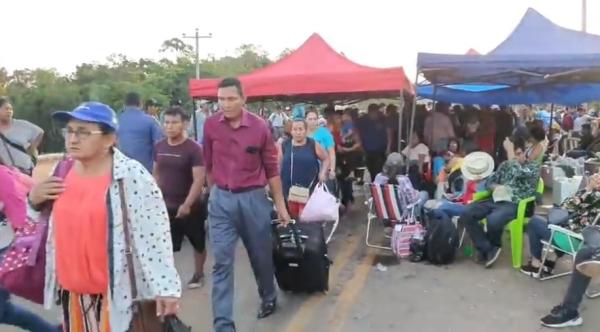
<point x="590" y="268"/>
<point x="534" y="271"/>
<point x="561" y="317"/>
<point x="197" y="281"/>
<point x="492" y="256"/>
<point x="481" y="257"/>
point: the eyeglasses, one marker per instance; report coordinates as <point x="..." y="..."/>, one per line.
<point x="79" y="133"/>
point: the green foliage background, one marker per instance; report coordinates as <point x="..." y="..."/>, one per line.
<point x="36" y="93"/>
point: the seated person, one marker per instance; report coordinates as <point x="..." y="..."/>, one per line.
<point x="441" y="161"/>
<point x="514" y="180"/>
<point x="566" y="314"/>
<point x="537" y="143"/>
<point x="454" y="204"/>
<point x="584" y="142"/>
<point x="418" y="157"/>
<point x="574" y="213"/>
<point x="417" y="152"/>
<point x="392" y="170"/>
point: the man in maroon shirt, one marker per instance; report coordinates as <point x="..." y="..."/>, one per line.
<point x="179" y="172"/>
<point x="240" y="158"/>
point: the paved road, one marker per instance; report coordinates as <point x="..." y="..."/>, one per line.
<point x="407" y="297"/>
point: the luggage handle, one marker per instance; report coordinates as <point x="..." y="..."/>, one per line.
<point x="294" y="233"/>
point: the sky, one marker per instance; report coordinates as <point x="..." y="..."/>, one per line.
<point x="63" y="33"/>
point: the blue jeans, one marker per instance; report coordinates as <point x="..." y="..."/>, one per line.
<point x="537" y="230"/>
<point x="15" y="315"/>
<point x="231" y="216"/>
<point x="497" y="215"/>
<point x="452" y="209"/>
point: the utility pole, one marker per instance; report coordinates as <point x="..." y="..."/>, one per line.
<point x="197" y="37"/>
<point x="584" y="15"/>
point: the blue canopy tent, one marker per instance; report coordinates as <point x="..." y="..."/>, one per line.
<point x="540" y="62"/>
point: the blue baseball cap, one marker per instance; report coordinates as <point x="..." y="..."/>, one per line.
<point x="92" y="111"/>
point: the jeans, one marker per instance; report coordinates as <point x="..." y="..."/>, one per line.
<point x="452" y="209"/>
<point x="579" y="282"/>
<point x="15" y="315"/>
<point x="497" y="215"/>
<point x="375" y="161"/>
<point x="538" y="231"/>
<point x="231" y="216"/>
<point x="346" y="191"/>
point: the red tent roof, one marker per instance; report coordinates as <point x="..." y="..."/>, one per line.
<point x="314" y="71"/>
<point x="472" y="51"/>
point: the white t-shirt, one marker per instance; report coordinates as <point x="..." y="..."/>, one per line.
<point x="416" y="151"/>
<point x="22" y="133"/>
<point x="580" y="121"/>
<point x="278" y="120"/>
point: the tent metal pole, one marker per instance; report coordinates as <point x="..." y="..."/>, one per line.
<point x="195" y="130"/>
<point x="551" y="118"/>
<point x="400" y="115"/>
<point x="412" y="117"/>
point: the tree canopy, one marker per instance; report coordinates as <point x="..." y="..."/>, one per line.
<point x="36" y="93"/>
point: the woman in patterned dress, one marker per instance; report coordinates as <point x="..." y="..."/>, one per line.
<point x="86" y="262"/>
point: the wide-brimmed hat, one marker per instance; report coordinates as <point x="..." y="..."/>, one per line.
<point x="477" y="166"/>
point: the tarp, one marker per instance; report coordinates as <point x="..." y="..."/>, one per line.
<point x="536" y="34"/>
<point x="502" y="95"/>
<point x="312" y="72"/>
<point x="541" y="60"/>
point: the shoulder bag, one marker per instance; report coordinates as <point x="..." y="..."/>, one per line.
<point x="144" y="311"/>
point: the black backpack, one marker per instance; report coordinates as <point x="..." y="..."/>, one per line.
<point x="442" y="238"/>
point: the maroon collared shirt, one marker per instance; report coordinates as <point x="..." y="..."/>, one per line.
<point x="239" y="158"/>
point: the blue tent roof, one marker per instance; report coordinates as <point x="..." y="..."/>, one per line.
<point x="559" y="94"/>
<point x="536" y="57"/>
<point x="536" y="34"/>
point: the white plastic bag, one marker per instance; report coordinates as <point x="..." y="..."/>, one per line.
<point x="321" y="206"/>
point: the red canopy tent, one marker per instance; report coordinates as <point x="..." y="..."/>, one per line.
<point x="314" y="72"/>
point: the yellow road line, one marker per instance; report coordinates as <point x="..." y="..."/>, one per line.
<point x="306" y="311"/>
<point x="349" y="293"/>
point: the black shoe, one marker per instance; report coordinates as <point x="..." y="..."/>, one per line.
<point x="562" y="317"/>
<point x="534" y="272"/>
<point x="267" y="309"/>
<point x="492" y="256"/>
<point x="481" y="257"/>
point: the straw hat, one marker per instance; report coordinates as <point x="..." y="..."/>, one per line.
<point x="477" y="166"/>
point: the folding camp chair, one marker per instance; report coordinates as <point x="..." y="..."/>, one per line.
<point x="565" y="241"/>
<point x="384" y="205"/>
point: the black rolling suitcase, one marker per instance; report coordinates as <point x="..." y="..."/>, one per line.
<point x="300" y="258"/>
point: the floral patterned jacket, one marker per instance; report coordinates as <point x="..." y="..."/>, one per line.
<point x="583" y="208"/>
<point x="153" y="254"/>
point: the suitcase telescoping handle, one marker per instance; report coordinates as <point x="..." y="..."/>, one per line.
<point x="295" y="233"/>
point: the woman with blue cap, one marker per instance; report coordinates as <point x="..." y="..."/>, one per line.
<point x="108" y="235"/>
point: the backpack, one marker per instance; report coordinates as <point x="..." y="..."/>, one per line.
<point x="442" y="238"/>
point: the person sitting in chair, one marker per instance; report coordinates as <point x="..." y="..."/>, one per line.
<point x="475" y="167"/>
<point x="392" y="170"/>
<point x="574" y="213"/>
<point x="514" y="180"/>
<point x="587" y="266"/>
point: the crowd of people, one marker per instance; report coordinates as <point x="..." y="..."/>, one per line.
<point x="165" y="174"/>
